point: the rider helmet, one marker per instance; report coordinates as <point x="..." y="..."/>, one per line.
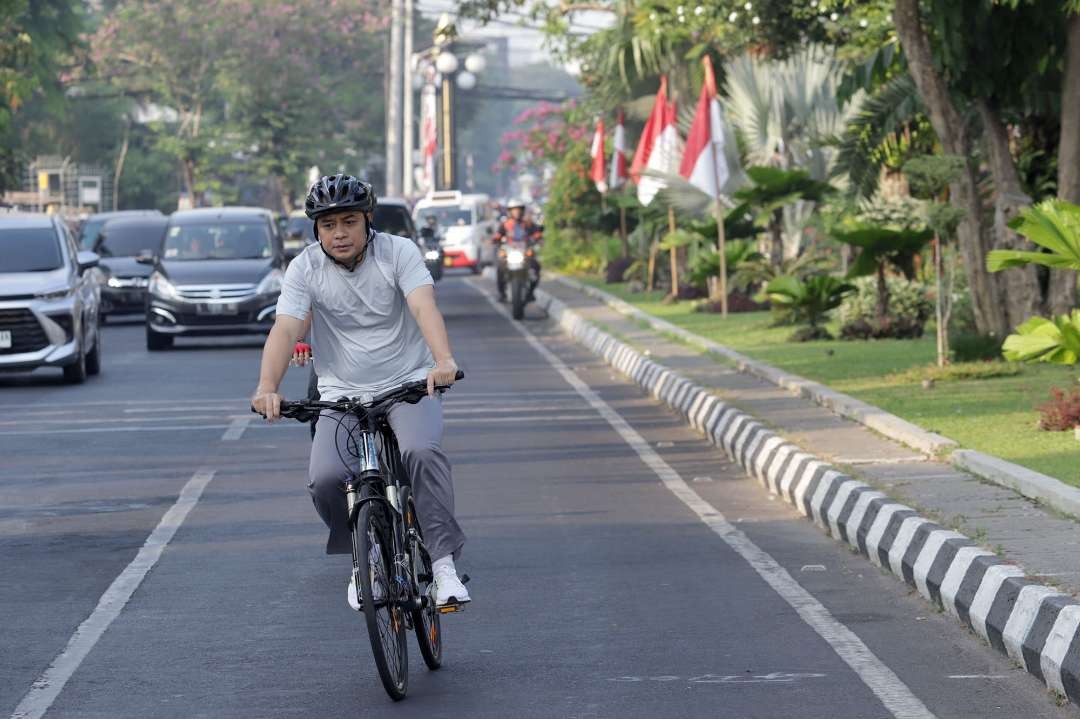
<point x="333" y="193"/>
<point x="515" y="202"/>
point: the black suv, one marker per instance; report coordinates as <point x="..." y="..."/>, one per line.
<point x="218" y="272"/>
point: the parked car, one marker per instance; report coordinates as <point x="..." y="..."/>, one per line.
<point x="49" y="298"/>
<point x="118" y="245"/>
<point x="92" y="226"/>
<point x="219" y="272"/>
<point x="466" y="224"/>
<point x="299" y="233"/>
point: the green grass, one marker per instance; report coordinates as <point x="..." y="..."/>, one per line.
<point x="993" y="415"/>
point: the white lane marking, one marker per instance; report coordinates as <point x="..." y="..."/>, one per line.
<point x="236" y="429"/>
<point x="48" y="686"/>
<point x="880" y="679"/>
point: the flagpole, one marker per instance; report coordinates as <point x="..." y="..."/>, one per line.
<point x="674" y="257"/>
<point x="622" y="231"/>
<point x="721" y="240"/>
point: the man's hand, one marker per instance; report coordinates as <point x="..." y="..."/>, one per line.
<point x="443" y="374"/>
<point x="301" y="354"/>
<point x="267" y="403"/>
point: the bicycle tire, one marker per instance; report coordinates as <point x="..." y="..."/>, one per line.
<point x="385" y="619"/>
<point x="425" y="618"/>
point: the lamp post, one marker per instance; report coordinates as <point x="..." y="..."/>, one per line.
<point x="438" y="70"/>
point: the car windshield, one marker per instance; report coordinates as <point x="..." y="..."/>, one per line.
<point x="393" y="220"/>
<point x="301" y="226"/>
<point x="90" y="231"/>
<point x="218" y="241"/>
<point x="446" y="216"/>
<point x="29" y="250"/>
<point x="129" y="240"/>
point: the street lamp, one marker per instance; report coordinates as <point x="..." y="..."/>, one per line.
<point x="439" y="67"/>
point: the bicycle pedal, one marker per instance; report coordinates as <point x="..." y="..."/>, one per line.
<point x="451" y="608"/>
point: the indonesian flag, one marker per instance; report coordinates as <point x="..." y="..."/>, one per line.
<point x="618" y="156"/>
<point x="596" y="172"/>
<point x="658" y="150"/>
<point x="429" y="138"/>
<point x="704" y="163"/>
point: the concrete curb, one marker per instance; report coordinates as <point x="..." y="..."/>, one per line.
<point x="1035" y="625"/>
<point x="873" y="417"/>
<point x="1033" y="485"/>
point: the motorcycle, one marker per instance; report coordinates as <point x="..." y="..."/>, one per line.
<point x="518" y="270"/>
<point x="431" y="249"/>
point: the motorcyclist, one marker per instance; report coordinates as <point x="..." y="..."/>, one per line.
<point x="518" y="228"/>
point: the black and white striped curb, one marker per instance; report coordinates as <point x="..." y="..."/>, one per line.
<point x="1035" y="625"/>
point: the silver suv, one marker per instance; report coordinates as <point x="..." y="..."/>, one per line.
<point x="49" y="298"/>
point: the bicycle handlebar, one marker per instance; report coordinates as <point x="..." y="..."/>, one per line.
<point x="306" y="410"/>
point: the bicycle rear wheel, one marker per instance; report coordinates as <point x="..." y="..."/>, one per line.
<point x="424" y="614"/>
<point x="372" y="556"/>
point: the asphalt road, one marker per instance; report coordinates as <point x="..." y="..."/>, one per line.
<point x="599" y="591"/>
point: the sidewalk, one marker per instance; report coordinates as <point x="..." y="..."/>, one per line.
<point x="1046" y="544"/>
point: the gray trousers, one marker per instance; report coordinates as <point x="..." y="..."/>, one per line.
<point x="419" y="429"/>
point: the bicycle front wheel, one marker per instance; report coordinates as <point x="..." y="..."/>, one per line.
<point x="424" y="614"/>
<point x="372" y="561"/>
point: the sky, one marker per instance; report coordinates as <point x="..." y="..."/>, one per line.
<point x="526" y="45"/>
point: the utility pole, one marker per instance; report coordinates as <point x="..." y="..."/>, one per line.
<point x="393" y="104"/>
<point x="408" y="136"/>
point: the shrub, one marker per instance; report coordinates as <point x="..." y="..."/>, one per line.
<point x="909" y="309"/>
<point x="737" y="302"/>
<point x="1062" y="412"/>
<point x="973" y="347"/>
<point x="808" y="302"/>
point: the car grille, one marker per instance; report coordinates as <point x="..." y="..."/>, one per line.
<point x="216" y="292"/>
<point x="27" y="334"/>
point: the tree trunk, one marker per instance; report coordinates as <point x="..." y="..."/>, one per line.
<point x="120" y="165"/>
<point x="776" y="237"/>
<point x="1022" y="293"/>
<point x="882" y="297"/>
<point x="972" y="234"/>
<point x="1062" y="293"/>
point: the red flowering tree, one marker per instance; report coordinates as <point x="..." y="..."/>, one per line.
<point x="542" y="137"/>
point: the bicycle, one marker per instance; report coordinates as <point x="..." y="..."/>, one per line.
<point x="391" y="565"/>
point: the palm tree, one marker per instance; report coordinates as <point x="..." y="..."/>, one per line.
<point x="772" y="190"/>
<point x="882" y="246"/>
<point x="808" y="302"/>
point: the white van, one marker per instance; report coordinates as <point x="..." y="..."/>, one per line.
<point x="466" y="224"/>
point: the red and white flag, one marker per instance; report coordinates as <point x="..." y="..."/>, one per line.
<point x="704" y="163"/>
<point x="429" y="138"/>
<point x="618" y="156"/>
<point x="596" y="172"/>
<point x="658" y="149"/>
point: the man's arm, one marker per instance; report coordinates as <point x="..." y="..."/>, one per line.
<point x="277" y="352"/>
<point x="421" y="303"/>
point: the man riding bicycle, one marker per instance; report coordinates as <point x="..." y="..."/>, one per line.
<point x="370" y="305"/>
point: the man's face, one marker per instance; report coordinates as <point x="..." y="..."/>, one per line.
<point x="516" y="212"/>
<point x="343" y="235"/>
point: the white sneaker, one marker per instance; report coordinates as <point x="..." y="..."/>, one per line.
<point x="448" y="588"/>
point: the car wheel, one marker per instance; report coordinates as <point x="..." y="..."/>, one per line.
<point x="156" y="341"/>
<point x="93" y="359"/>
<point x="75" y="373"/>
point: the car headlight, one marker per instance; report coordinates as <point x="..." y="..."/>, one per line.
<point x="160" y="286"/>
<point x="271" y="284"/>
<point x="57" y="294"/>
<point x="431" y="255"/>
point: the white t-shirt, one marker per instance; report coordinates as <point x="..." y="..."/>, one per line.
<point x="364" y="338"/>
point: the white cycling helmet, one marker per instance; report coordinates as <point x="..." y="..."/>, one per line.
<point x="515" y="202"/>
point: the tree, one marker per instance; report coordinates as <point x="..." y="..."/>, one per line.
<point x="772" y="190"/>
<point x="880" y="247"/>
<point x="37" y="39"/>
